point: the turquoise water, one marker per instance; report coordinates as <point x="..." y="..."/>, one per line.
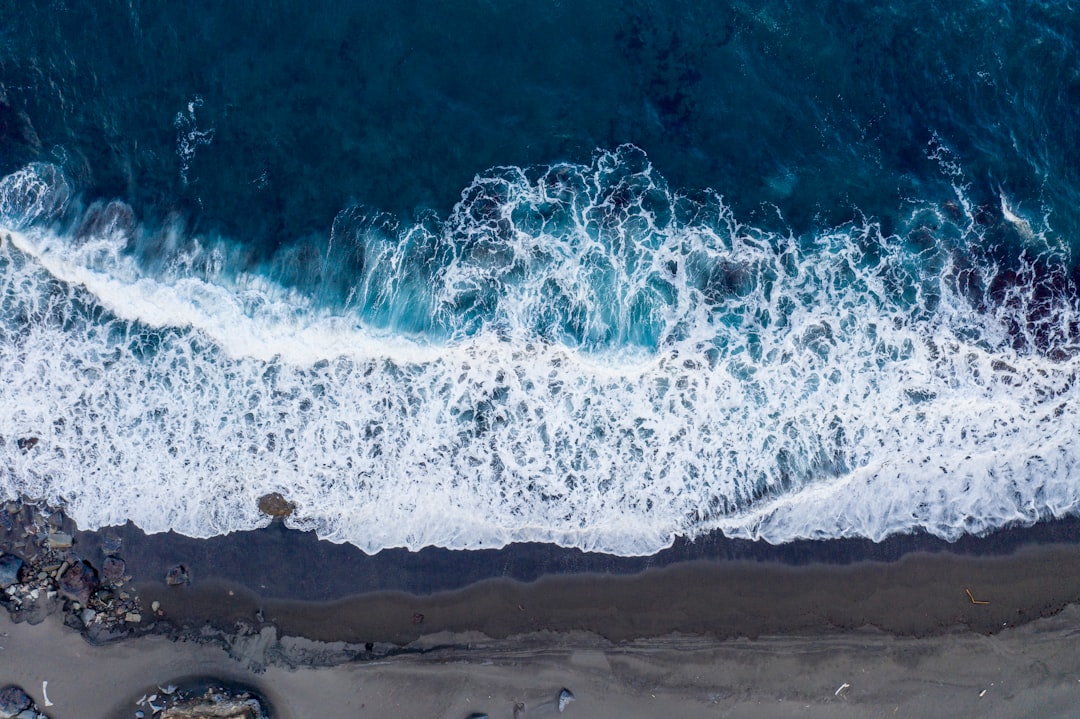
<point x="601" y="276"/>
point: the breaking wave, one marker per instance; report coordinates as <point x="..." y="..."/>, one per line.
<point x="577" y="354"/>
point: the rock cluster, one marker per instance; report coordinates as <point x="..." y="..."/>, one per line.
<point x="41" y="571"/>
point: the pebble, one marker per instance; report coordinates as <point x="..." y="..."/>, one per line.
<point x="155" y="605"/>
<point x="133" y="617"/>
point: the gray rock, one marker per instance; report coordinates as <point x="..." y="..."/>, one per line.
<point x="13" y="700"/>
<point x="565" y="697"/>
<point x="9" y="570"/>
<point x="60" y="540"/>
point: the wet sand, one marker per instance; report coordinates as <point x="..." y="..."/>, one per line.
<point x="914" y="627"/>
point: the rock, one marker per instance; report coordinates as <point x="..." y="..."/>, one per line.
<point x="27" y="443"/>
<point x="9" y="570"/>
<point x="112" y="569"/>
<point x="13" y="700"/>
<point x="417" y="618"/>
<point x="155" y="605"/>
<point x="275" y="505"/>
<point x="478" y="715"/>
<point x="177" y="575"/>
<point x="214" y="707"/>
<point x="60" y="540"/>
<point x="79" y="582"/>
<point x="565" y="697"/>
<point x="133" y="617"/>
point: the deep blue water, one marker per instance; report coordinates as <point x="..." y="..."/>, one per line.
<point x="594" y="273"/>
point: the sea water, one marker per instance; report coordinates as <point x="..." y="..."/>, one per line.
<point x="604" y="276"/>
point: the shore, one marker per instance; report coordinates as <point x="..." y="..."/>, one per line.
<point x="1033" y="670"/>
<point x="713" y="628"/>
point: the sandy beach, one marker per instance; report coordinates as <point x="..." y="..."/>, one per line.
<point x="915" y="627"/>
<point x="1033" y="670"/>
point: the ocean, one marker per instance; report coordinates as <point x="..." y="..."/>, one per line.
<point x="601" y="274"/>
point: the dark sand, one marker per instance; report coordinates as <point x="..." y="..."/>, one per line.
<point x="716" y="628"/>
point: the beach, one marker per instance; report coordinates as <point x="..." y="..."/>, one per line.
<point x="517" y="359"/>
<point x="1031" y="670"/>
<point x="982" y="628"/>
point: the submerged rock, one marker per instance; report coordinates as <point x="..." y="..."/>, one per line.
<point x="565" y="697"/>
<point x="9" y="570"/>
<point x="276" y="505"/>
<point x="27" y="443"/>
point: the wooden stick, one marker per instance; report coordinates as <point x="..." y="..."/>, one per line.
<point x="973" y="599"/>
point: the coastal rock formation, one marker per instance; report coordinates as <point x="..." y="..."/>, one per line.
<point x="42" y="572"/>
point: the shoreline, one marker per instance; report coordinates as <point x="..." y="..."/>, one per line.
<point x="914" y="585"/>
<point x="725" y="625"/>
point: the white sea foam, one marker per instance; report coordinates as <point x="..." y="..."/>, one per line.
<point x="834" y="391"/>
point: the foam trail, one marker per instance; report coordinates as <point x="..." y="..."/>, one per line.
<point x="840" y="385"/>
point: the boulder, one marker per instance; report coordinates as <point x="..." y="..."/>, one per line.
<point x="112" y="569"/>
<point x="13" y="700"/>
<point x="275" y="505"/>
<point x="79" y="582"/>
